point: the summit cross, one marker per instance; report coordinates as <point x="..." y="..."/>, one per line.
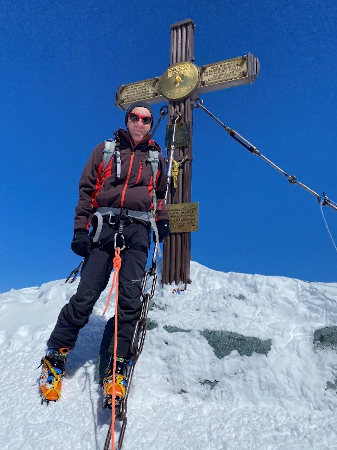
<point x="181" y="85"/>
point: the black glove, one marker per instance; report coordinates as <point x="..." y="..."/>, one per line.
<point x="163" y="227"/>
<point x="81" y="244"/>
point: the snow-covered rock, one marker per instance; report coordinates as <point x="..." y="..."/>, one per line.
<point x="229" y="363"/>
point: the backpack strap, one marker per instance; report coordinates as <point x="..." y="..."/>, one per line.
<point x="108" y="152"/>
<point x="154" y="160"/>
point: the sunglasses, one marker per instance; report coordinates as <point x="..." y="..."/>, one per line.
<point x="135" y="117"/>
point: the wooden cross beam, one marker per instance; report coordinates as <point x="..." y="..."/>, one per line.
<point x="188" y="80"/>
<point x="180" y="85"/>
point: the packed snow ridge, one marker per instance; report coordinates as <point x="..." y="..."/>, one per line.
<point x="233" y="362"/>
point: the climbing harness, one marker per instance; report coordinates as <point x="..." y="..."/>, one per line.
<point x="170" y="159"/>
<point x="253" y="149"/>
<point x="125" y="214"/>
<point x="110" y="215"/>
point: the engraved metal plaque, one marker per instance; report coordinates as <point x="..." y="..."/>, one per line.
<point x="184" y="217"/>
<point x="182" y="135"/>
<point x="179" y="80"/>
<point x="224" y="71"/>
<point x="228" y="73"/>
<point x="147" y="90"/>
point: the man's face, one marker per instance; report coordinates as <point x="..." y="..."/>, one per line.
<point x="138" y="129"/>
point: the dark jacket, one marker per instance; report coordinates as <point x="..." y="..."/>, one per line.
<point x="133" y="190"/>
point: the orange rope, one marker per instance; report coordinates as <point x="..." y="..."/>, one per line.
<point x="117" y="262"/>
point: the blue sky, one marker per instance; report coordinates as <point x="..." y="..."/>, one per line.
<point x="61" y="65"/>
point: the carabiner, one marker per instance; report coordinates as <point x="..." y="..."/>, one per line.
<point x="117" y="244"/>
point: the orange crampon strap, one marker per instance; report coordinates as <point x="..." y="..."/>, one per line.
<point x="56" y="380"/>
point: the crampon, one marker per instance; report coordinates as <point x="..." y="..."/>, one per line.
<point x="53" y="371"/>
<point x="120" y="389"/>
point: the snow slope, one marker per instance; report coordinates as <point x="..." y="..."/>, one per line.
<point x="227" y="364"/>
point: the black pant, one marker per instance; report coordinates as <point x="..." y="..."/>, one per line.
<point x="94" y="279"/>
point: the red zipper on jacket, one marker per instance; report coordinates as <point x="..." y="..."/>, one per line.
<point x="139" y="172"/>
<point x="127" y="179"/>
<point x="130" y="167"/>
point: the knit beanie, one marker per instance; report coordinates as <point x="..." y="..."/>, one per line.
<point x="134" y="105"/>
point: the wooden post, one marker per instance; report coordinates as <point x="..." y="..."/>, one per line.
<point x="177" y="247"/>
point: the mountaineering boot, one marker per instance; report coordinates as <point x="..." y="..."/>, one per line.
<point x="53" y="370"/>
<point x="120" y="382"/>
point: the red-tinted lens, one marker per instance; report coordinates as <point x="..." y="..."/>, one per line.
<point x="135" y="117"/>
<point x="146" y="120"/>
